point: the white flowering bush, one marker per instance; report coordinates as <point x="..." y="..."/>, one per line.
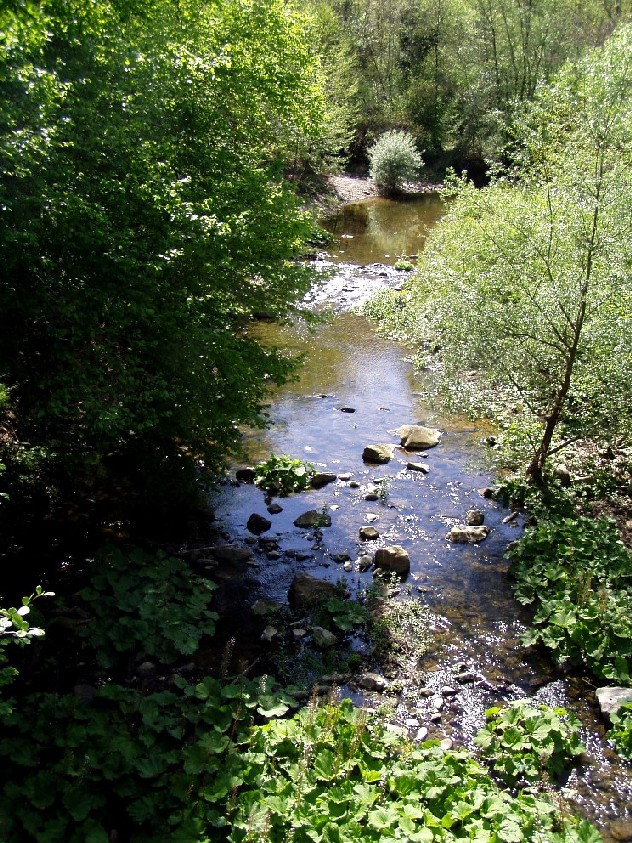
<point x="394" y="159"/>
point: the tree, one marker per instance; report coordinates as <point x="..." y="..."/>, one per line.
<point x="145" y="221"/>
<point x="526" y="287"/>
<point x="393" y="160"/>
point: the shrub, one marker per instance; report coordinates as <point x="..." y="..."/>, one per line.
<point x="525" y="743"/>
<point x="621" y="732"/>
<point x="283" y="475"/>
<point x="334" y="775"/>
<point x="393" y="160"/>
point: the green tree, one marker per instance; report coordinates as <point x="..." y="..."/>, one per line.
<point x="525" y="285"/>
<point x="145" y="221"/>
<point x="394" y="159"/>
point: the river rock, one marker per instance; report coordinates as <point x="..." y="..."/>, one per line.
<point x="373" y="682"/>
<point x="323" y="638"/>
<point x="257" y="524"/>
<point x="369" y="533"/>
<point x="475" y="517"/>
<point x="467" y="535"/>
<point x="245" y="475"/>
<point x="378" y="453"/>
<point x="393" y="558"/>
<point x="275" y="508"/>
<point x="611" y="698"/>
<point x="261" y="608"/>
<point x="415" y="437"/>
<point x="313" y="518"/>
<point x="422" y="467"/>
<point x="269" y="633"/>
<point x="231" y="553"/>
<point x="306" y="590"/>
<point x="322" y="479"/>
<point x="364" y="563"/>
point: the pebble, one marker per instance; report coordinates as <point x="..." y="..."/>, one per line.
<point x="446" y="744"/>
<point x="422" y="734"/>
<point x="412" y="721"/>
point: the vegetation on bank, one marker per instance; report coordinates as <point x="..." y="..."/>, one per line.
<point x="145" y="749"/>
<point x="521" y="309"/>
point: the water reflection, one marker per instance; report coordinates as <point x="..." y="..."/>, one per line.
<point x="381" y="230"/>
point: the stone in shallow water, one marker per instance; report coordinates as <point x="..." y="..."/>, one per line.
<point x="257" y="524"/>
<point x="322" y="479"/>
<point x="306" y="590"/>
<point x="467" y="535"/>
<point x="475" y="517"/>
<point x="373" y="682"/>
<point x="323" y="638"/>
<point x="415" y="437"/>
<point x="393" y="558"/>
<point x="422" y="467"/>
<point x="612" y="697"/>
<point x="313" y="518"/>
<point x="380" y="453"/>
<point x="368" y="533"/>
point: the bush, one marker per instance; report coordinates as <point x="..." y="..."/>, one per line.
<point x="621" y="732"/>
<point x="283" y="475"/>
<point x="527" y="743"/>
<point x="334" y="775"/>
<point x="394" y="160"/>
<point x="575" y="572"/>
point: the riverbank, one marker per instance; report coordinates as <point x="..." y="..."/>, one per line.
<point x="350" y="188"/>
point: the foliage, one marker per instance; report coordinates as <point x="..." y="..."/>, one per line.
<point x="576" y="573"/>
<point x="331" y="774"/>
<point x="621" y="731"/>
<point x="150" y="606"/>
<point x="394" y="159"/>
<point x="161" y="764"/>
<point x="399" y="630"/>
<point x="15" y="629"/>
<point x="283" y="475"/>
<point x="344" y="614"/>
<point x="404" y="265"/>
<point x="454" y="72"/>
<point x="525" y="743"/>
<point x="145" y="220"/>
<point x="522" y="288"/>
<point x="106" y="760"/>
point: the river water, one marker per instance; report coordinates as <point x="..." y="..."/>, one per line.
<point x="355" y="389"/>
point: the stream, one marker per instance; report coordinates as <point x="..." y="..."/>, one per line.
<point x="355" y="389"/>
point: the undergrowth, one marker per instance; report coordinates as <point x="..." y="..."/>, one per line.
<point x="577" y="575"/>
<point x="334" y="775"/>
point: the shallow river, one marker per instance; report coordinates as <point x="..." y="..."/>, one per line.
<point x="355" y="389"/>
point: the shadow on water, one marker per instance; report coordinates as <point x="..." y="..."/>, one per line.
<point x="355" y="389"/>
